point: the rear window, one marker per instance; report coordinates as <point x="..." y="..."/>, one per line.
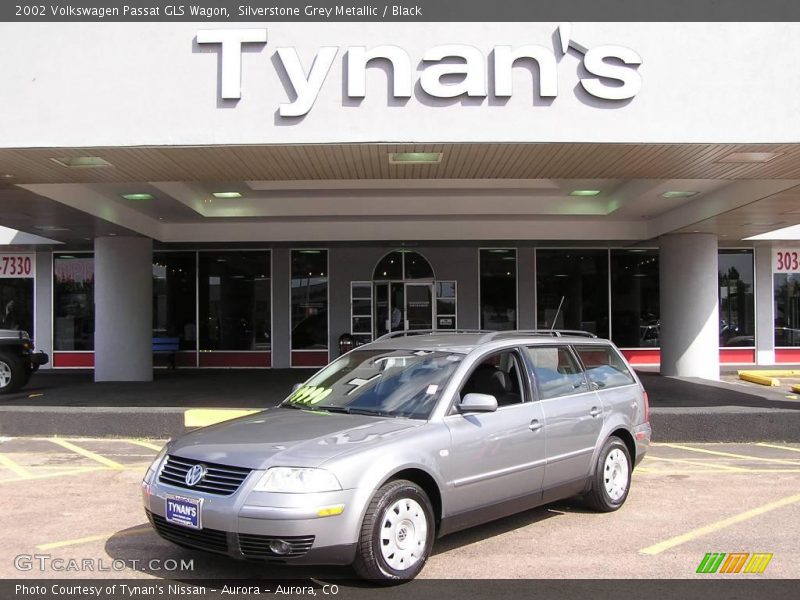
<point x="604" y="366"/>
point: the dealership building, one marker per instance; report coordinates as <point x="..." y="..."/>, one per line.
<point x="248" y="194"/>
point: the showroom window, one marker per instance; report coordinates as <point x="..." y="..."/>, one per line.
<point x="309" y="299"/>
<point x="787" y="309"/>
<point x="635" y="298"/>
<point x="498" y="288"/>
<point x="73" y="302"/>
<point x="572" y="290"/>
<point x="174" y="297"/>
<point x="16" y="292"/>
<point x="235" y="300"/>
<point x="402" y="265"/>
<point x="736" y="304"/>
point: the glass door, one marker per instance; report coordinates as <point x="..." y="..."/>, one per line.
<point x="419" y="306"/>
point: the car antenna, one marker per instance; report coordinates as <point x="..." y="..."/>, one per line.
<point x="558" y="310"/>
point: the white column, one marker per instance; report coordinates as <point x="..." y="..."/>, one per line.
<point x="123" y="296"/>
<point x="765" y="306"/>
<point x="689" y="305"/>
<point x="43" y="304"/>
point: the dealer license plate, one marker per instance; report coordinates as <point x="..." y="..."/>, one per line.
<point x="184" y="511"/>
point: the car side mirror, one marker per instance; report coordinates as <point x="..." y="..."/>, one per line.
<point x="478" y="403"/>
<point x="296" y="387"/>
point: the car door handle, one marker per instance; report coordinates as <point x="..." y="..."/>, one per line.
<point x="595" y="411"/>
<point x="535" y="425"/>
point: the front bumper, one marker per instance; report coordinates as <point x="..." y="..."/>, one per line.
<point x="242" y="525"/>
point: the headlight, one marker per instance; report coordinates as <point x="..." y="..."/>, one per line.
<point x="148" y="477"/>
<point x="296" y="480"/>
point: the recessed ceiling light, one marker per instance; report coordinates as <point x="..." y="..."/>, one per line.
<point x="137" y="196"/>
<point x="764" y="224"/>
<point x="112" y="234"/>
<point x="749" y="157"/>
<point x="414" y="158"/>
<point x="678" y="194"/>
<point x="226" y="195"/>
<point x="50" y="228"/>
<point x="6" y="176"/>
<point x="584" y="192"/>
<point x="81" y="162"/>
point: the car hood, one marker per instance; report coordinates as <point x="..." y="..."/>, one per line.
<point x="287" y="437"/>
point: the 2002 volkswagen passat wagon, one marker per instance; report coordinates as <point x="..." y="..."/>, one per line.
<point x="404" y="440"/>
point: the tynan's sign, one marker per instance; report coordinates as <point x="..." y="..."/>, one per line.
<point x="448" y="71"/>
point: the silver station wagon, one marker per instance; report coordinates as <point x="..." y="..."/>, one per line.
<point x="404" y="440"/>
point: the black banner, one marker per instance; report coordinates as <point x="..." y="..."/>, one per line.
<point x="710" y="587"/>
<point x="399" y="10"/>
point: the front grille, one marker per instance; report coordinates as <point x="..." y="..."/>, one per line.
<point x="257" y="546"/>
<point x="219" y="479"/>
<point x="206" y="539"/>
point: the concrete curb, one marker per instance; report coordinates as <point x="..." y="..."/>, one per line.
<point x="669" y="424"/>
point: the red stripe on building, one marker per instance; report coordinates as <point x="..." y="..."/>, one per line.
<point x="737" y="356"/>
<point x="310" y="359"/>
<point x="235" y="359"/>
<point x="73" y="359"/>
<point x="787" y="355"/>
<point x="642" y="356"/>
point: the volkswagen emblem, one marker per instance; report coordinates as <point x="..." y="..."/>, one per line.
<point x="195" y="475"/>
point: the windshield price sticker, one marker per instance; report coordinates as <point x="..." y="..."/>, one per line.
<point x="16" y="265"/>
<point x="786" y="260"/>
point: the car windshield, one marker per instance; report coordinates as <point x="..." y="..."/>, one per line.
<point x="394" y="383"/>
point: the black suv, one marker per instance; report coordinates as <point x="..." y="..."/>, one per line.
<point x="17" y="359"/>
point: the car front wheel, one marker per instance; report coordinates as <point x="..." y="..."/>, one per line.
<point x="397" y="534"/>
<point x="612" y="477"/>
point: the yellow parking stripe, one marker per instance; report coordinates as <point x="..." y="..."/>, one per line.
<point x="94" y="538"/>
<point x="765" y="445"/>
<point x="19" y="470"/>
<point x="701" y="531"/>
<point x="145" y="445"/>
<point x="75" y="471"/>
<point x="731" y="455"/>
<point x="202" y="417"/>
<point x="87" y="453"/>
<point x="698" y="464"/>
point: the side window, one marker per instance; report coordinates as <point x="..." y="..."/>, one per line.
<point x="604" y="366"/>
<point x="499" y="375"/>
<point x="556" y="371"/>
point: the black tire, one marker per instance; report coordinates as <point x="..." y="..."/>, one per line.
<point x="19" y="374"/>
<point x="598" y="497"/>
<point x="370" y="563"/>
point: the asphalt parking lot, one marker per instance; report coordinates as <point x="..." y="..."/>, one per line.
<point x="79" y="499"/>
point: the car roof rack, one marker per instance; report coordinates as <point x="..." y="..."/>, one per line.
<point x="489" y="334"/>
<point x="545" y="332"/>
<point x="410" y="332"/>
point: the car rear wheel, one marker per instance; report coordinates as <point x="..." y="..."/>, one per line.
<point x="397" y="534"/>
<point x="612" y="477"/>
<point x="13" y="374"/>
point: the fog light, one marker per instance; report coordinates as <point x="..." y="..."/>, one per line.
<point x="279" y="547"/>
